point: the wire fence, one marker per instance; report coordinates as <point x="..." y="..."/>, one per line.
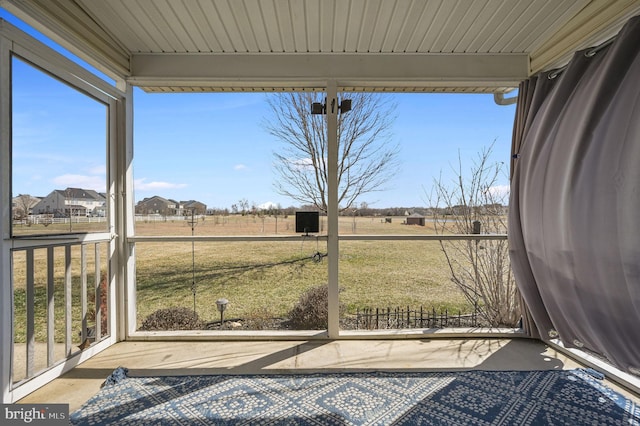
<point x="396" y="318"/>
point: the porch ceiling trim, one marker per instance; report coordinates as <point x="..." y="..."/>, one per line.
<point x="421" y="72"/>
<point x="122" y="38"/>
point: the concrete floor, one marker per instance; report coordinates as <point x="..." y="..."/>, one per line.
<point x="254" y="357"/>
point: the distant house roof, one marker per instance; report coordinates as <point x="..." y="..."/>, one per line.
<point x="156" y="198"/>
<point x="416" y="215"/>
<point x="80" y="194"/>
<point x="191" y="203"/>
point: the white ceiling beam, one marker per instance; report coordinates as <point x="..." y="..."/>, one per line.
<point x="309" y="69"/>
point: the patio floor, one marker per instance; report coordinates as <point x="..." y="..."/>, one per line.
<point x="254" y="357"/>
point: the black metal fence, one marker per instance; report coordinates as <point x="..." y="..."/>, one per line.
<point x="395" y="318"/>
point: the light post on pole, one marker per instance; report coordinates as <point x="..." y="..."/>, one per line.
<point x="221" y="304"/>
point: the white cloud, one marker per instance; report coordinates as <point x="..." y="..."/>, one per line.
<point x="96" y="183"/>
<point x="500" y="191"/>
<point x="140" y="184"/>
<point x="268" y="205"/>
<point x="98" y="170"/>
<point x="239" y="167"/>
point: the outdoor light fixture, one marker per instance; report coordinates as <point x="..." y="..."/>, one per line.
<point x="345" y="105"/>
<point x="318" y="108"/>
<point x="221" y="304"/>
<point x="321" y="108"/>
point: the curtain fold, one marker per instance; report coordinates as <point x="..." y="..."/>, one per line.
<point x="531" y="95"/>
<point x="574" y="231"/>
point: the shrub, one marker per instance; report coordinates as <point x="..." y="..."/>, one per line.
<point x="481" y="270"/>
<point x="311" y="312"/>
<point x="260" y="318"/>
<point x="173" y="318"/>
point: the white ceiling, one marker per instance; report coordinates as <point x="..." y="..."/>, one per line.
<point x="394" y="45"/>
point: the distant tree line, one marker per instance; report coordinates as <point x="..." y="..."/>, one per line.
<point x="252" y="209"/>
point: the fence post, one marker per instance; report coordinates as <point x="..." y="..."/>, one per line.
<point x="377" y="319"/>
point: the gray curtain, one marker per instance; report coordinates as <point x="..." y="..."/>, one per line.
<point x="531" y="96"/>
<point x="574" y="219"/>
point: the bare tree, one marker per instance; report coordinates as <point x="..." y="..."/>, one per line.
<point x="366" y="160"/>
<point x="23" y="205"/>
<point x="474" y="203"/>
<point x="244" y="206"/>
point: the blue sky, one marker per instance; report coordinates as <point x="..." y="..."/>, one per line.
<point x="213" y="147"/>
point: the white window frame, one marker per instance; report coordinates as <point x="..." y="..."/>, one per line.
<point x="16" y="43"/>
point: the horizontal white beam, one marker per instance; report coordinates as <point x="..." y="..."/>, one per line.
<point x="312" y="70"/>
<point x="265" y="238"/>
<point x="271" y="335"/>
<point x="55" y="240"/>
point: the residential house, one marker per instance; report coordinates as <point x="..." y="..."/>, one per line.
<point x="196" y="206"/>
<point x="159" y="205"/>
<point x="72" y="202"/>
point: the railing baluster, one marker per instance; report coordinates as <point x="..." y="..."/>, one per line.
<point x="67" y="299"/>
<point x="47" y="281"/>
<point x="50" y="308"/>
<point x="98" y="298"/>
<point x="30" y="314"/>
<point x="83" y="292"/>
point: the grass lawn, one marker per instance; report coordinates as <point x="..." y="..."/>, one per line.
<point x="260" y="279"/>
<point x="265" y="279"/>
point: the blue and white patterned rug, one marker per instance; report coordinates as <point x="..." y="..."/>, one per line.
<point x="570" y="397"/>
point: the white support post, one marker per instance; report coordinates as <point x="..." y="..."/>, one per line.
<point x="6" y="294"/>
<point x="123" y="173"/>
<point x="120" y="132"/>
<point x="115" y="275"/>
<point x="333" y="328"/>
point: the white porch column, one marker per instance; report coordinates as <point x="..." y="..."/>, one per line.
<point x="6" y="300"/>
<point x="124" y="276"/>
<point x="333" y="328"/>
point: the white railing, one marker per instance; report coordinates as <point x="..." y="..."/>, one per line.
<point x="40" y="267"/>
